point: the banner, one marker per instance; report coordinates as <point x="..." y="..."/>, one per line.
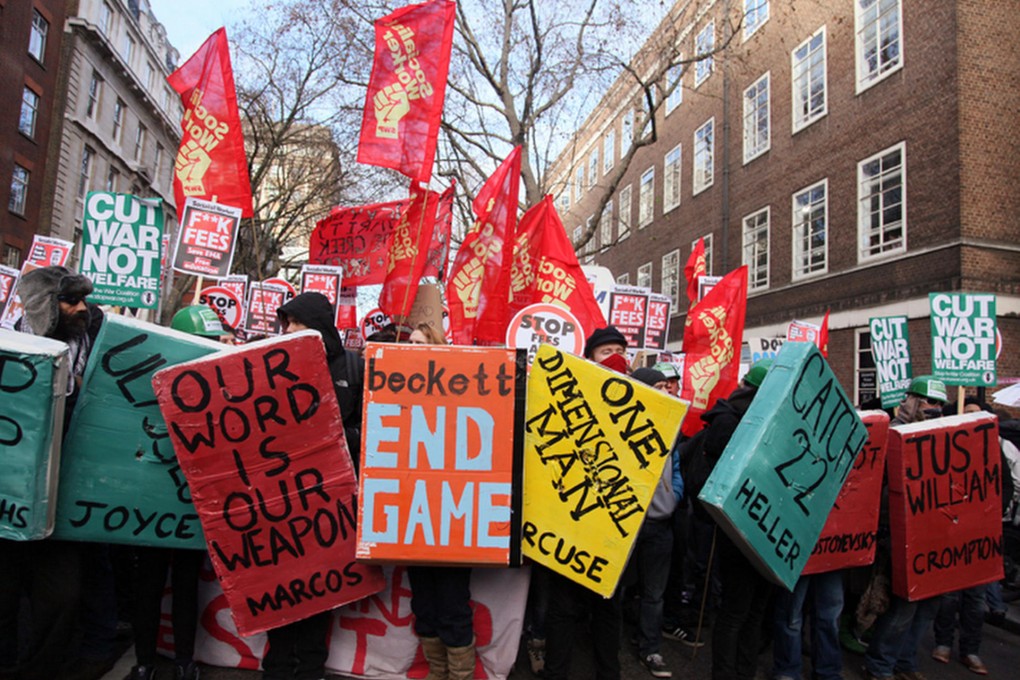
<point x="657" y="321"/>
<point x="206" y="239"/>
<point x="357" y="239"/>
<point x="545" y="269"/>
<point x="628" y="311"/>
<point x="120" y="481"/>
<point x="33" y="380"/>
<point x="325" y="279"/>
<point x="404" y="102"/>
<point x="478" y="291"/>
<point x="544" y="324"/>
<point x="260" y="313"/>
<point x="764" y="348"/>
<point x="963" y="329"/>
<point x="596" y="443"/>
<point x="891" y="350"/>
<point x="258" y="433"/>
<point x="441" y="452"/>
<point x="407" y="255"/>
<point x="211" y="164"/>
<point x="47" y="251"/>
<point x="945" y="509"/>
<point x="788" y="459"/>
<point x="848" y="537"/>
<point x="121" y="247"/>
<point x="713" y="334"/>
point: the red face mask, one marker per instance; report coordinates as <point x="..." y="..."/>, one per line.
<point x="616" y="362"/>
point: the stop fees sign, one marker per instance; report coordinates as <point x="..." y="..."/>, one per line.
<point x="225" y="303"/>
<point x="544" y="323"/>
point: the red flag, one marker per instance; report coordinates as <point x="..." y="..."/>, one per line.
<point x="712" y="338"/>
<point x="407" y="257"/>
<point x="211" y="163"/>
<point x="439" y="249"/>
<point x="404" y="102"/>
<point x="823" y="336"/>
<point x="357" y="239"/>
<point x="545" y="268"/>
<point x="478" y="292"/>
<point x="693" y="270"/>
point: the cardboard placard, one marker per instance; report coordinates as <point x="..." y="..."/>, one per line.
<point x="545" y="323"/>
<point x="260" y="313"/>
<point x="8" y="277"/>
<point x="325" y="279"/>
<point x="596" y="443"/>
<point x="258" y="434"/>
<point x="657" y="321"/>
<point x="441" y="453"/>
<point x="33" y="381"/>
<point x="890" y="348"/>
<point x="222" y="300"/>
<point x="47" y="251"/>
<point x="428" y="308"/>
<point x="628" y="311"/>
<point x="763" y="348"/>
<point x="774" y="485"/>
<point x="963" y="336"/>
<point x="206" y="238"/>
<point x="945" y="511"/>
<point x="848" y="537"/>
<point x="14" y="309"/>
<point x="120" y="481"/>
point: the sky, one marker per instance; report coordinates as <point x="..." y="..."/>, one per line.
<point x="189" y="22"/>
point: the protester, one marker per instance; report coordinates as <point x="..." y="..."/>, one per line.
<point x="48" y="573"/>
<point x="570" y="603"/>
<point x="424" y="334"/>
<point x="745" y="592"/>
<point x="299" y="650"/>
<point x="822" y="595"/>
<point x="672" y="373"/>
<point x="152" y="563"/>
<point x="653" y="548"/>
<point x="897" y="631"/>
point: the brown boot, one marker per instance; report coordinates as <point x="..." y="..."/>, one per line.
<point x="435" y="654"/>
<point x="461" y="661"/>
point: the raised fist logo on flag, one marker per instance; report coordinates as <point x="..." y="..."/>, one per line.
<point x="706" y="371"/>
<point x="191" y="165"/>
<point x="391" y="105"/>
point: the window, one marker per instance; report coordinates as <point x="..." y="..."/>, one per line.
<point x="106" y="19"/>
<point x="644" y="275"/>
<point x="92" y="106"/>
<point x="757" y="125"/>
<point x="593" y="168"/>
<point x="84" y="179"/>
<point x="626" y="206"/>
<point x="627" y="132"/>
<point x="128" y="50"/>
<point x="671" y="180"/>
<point x="150" y="76"/>
<point x="646" y="198"/>
<point x="674" y="80"/>
<point x="704" y="44"/>
<point x="704" y="156"/>
<point x="756" y="13"/>
<point x="707" y="238"/>
<point x="19" y="190"/>
<point x="166" y="98"/>
<point x="157" y="164"/>
<point x="866" y="387"/>
<point x="590" y="246"/>
<point x="671" y="277"/>
<point x="879" y="29"/>
<point x="12" y="257"/>
<point x="756" y="249"/>
<point x="810" y="230"/>
<point x="118" y="119"/>
<point x="881" y="217"/>
<point x="564" y="200"/>
<point x="29" y="110"/>
<point x="577" y="235"/>
<point x="112" y="176"/>
<point x="608" y="151"/>
<point x="37" y="36"/>
<point x="808" y="78"/>
<point x="623" y="279"/>
<point x="579" y="184"/>
<point x="140" y="142"/>
<point x="606" y="226"/>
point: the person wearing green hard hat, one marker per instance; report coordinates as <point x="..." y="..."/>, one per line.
<point x="199" y="320"/>
<point x="923" y="401"/>
<point x="672" y="373"/>
<point x="756" y="375"/>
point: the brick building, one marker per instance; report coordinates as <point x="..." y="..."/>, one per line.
<point x="856" y="154"/>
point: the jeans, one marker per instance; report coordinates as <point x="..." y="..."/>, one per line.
<point x="737" y="631"/>
<point x="993" y="595"/>
<point x="826" y="594"/>
<point x="441" y="603"/>
<point x="969" y="605"/>
<point x="151" y="565"/>
<point x="650" y="564"/>
<point x="570" y="604"/>
<point x="896" y="635"/>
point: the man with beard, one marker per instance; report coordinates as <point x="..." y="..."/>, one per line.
<point x="47" y="572"/>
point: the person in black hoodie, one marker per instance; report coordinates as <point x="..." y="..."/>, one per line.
<point x="298" y="650"/>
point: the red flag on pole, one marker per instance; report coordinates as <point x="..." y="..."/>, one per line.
<point x="407" y="257"/>
<point x="693" y="270"/>
<point x="545" y="268"/>
<point x="211" y="163"/>
<point x="823" y="336"/>
<point x="478" y="292"/>
<point x="712" y="337"/>
<point x="439" y="249"/>
<point x="404" y="103"/>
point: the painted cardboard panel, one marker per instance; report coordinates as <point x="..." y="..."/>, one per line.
<point x="848" y="537"/>
<point x="775" y="483"/>
<point x="120" y="481"/>
<point x="33" y="382"/>
<point x="441" y="461"/>
<point x="945" y="511"/>
<point x="258" y="434"/>
<point x="596" y="443"/>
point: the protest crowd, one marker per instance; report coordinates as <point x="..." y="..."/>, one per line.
<point x="249" y="485"/>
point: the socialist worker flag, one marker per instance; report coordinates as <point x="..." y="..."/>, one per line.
<point x="693" y="270"/>
<point x="823" y="336"/>
<point x="545" y="268"/>
<point x="478" y="291"/>
<point x="211" y="163"/>
<point x="408" y="254"/>
<point x="404" y="102"/>
<point x="439" y="249"/>
<point x="713" y="334"/>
